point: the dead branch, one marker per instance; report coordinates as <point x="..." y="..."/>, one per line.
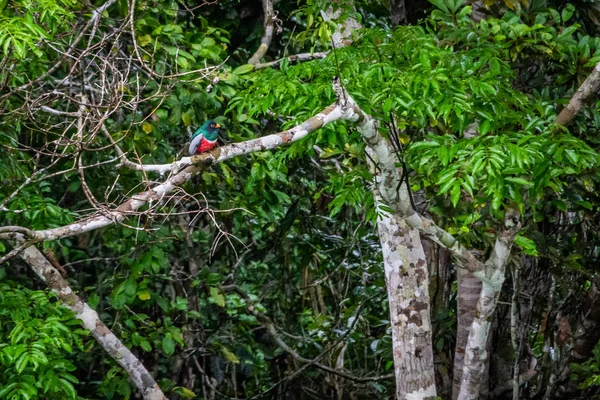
<point x="96" y="14"/>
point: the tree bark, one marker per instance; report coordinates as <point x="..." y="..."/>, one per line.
<point x="492" y="277"/>
<point x="398" y="12"/>
<point x="469" y="290"/>
<point x="407" y="283"/>
<point x="406" y="276"/>
<point x="440" y="290"/>
<point x="343" y="35"/>
<point x="269" y="24"/>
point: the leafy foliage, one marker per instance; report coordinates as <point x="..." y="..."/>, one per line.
<point x="475" y="103"/>
<point x="37" y="338"/>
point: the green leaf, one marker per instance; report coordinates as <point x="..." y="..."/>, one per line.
<point x="186" y="117"/>
<point x="144" y="295"/>
<point x="147" y="127"/>
<point x="282" y="198"/>
<point x="217" y="297"/>
<point x="145" y="345"/>
<point x="168" y="344"/>
<point x="468" y="185"/>
<point x="130" y="287"/>
<point x="446" y="186"/>
<point x="455" y="194"/>
<point x="585" y="204"/>
<point x="518" y="181"/>
<point x="229" y="356"/>
<point x="440" y="4"/>
<point x="494" y="66"/>
<point x="567" y="12"/>
<point x="527" y="245"/>
<point x="387" y="105"/>
<point x="243" y="69"/>
<point x="68" y="388"/>
<point x="144" y="40"/>
<point x="184" y="392"/>
<point x="183" y="62"/>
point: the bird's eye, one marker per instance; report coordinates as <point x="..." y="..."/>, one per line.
<point x="212" y="125"/>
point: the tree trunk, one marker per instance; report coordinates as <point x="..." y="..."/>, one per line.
<point x="492" y="277"/>
<point x="440" y="279"/>
<point x="398" y="12"/>
<point x="407" y="282"/>
<point x="469" y="290"/>
<point x="440" y="289"/>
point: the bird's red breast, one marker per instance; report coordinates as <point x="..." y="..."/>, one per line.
<point x="205" y="145"/>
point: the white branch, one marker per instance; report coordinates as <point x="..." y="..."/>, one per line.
<point x="57" y="112"/>
<point x="188" y="167"/>
<point x="138" y="374"/>
<point x="295" y="58"/>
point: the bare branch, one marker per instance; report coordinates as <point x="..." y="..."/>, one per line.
<point x="269" y="24"/>
<point x="295" y="58"/>
<point x="586" y="91"/>
<point x="187" y="171"/>
<point x="57" y="112"/>
<point x="95" y="16"/>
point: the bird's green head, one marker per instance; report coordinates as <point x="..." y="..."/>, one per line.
<point x="210" y="130"/>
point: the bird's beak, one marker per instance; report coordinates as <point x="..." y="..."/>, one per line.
<point x="217" y="126"/>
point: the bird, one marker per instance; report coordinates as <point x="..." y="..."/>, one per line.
<point x="205" y="138"/>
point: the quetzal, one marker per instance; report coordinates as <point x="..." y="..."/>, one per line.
<point x="205" y="138"/>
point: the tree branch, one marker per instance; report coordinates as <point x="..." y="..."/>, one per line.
<point x="586" y="91"/>
<point x="138" y="374"/>
<point x="295" y="58"/>
<point x="265" y="41"/>
<point x="187" y="167"/>
<point x="96" y="14"/>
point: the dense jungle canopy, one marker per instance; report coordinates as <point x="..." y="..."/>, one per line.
<point x="402" y="201"/>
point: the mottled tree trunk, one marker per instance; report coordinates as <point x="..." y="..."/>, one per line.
<point x="492" y="277"/>
<point x="440" y="289"/>
<point x="407" y="282"/>
<point x="476" y="355"/>
<point x="469" y="289"/>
